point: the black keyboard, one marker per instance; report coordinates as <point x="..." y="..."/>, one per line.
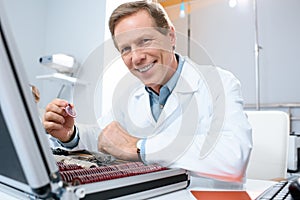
<point x="279" y="191"/>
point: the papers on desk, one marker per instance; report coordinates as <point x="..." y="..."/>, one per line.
<point x="217" y="195"/>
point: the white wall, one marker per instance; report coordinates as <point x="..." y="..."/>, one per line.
<point x="27" y="21"/>
<point x="279" y="28"/>
<point x="74" y="27"/>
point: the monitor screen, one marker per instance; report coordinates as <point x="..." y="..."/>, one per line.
<point x="10" y="164"/>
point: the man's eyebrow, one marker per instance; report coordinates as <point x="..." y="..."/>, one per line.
<point x="135" y="40"/>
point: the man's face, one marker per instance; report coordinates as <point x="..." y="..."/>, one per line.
<point x="147" y="53"/>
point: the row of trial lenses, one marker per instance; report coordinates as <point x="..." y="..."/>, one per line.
<point x="69" y="175"/>
<point x="101" y="174"/>
<point x="97" y="177"/>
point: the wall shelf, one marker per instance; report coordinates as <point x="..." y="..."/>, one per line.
<point x="62" y="78"/>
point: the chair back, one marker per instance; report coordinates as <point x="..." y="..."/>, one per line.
<point x="270" y="133"/>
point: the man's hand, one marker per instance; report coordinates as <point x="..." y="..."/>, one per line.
<point x="115" y="141"/>
<point x="57" y="122"/>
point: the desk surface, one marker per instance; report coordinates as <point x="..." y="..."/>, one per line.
<point x="253" y="188"/>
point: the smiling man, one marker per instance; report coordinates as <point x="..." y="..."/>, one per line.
<point x="181" y="114"/>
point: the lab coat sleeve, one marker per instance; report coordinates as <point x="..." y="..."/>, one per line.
<point x="85" y="139"/>
<point x="88" y="137"/>
<point x="89" y="133"/>
<point x="229" y="159"/>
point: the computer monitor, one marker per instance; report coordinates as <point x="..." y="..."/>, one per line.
<point x="22" y="133"/>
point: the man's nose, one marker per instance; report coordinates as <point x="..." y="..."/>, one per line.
<point x="138" y="55"/>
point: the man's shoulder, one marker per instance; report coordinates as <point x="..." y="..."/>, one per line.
<point x="210" y="73"/>
<point x="209" y="67"/>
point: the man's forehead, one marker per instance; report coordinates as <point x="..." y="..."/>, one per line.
<point x="136" y="34"/>
<point x="137" y="31"/>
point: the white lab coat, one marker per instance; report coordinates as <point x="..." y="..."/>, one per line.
<point x="206" y="101"/>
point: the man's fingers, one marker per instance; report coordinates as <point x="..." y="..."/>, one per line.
<point x="54" y="117"/>
<point x="60" y="102"/>
<point x="57" y="106"/>
<point x="52" y="126"/>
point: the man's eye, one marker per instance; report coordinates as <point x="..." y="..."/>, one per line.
<point x="125" y="50"/>
<point x="145" y="42"/>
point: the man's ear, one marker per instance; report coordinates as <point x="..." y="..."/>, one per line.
<point x="172" y="35"/>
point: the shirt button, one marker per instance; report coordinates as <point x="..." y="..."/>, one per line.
<point x="161" y="106"/>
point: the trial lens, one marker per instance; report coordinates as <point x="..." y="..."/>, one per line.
<point x="70" y="111"/>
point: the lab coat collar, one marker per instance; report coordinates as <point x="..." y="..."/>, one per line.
<point x="188" y="81"/>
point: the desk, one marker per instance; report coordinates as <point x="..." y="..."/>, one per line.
<point x="253" y="187"/>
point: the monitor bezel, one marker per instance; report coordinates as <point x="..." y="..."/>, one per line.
<point x="22" y="118"/>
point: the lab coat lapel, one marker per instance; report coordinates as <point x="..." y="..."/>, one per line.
<point x="182" y="94"/>
<point x="171" y="106"/>
<point x="143" y="95"/>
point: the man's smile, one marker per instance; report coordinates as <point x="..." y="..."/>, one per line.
<point x="146" y="68"/>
